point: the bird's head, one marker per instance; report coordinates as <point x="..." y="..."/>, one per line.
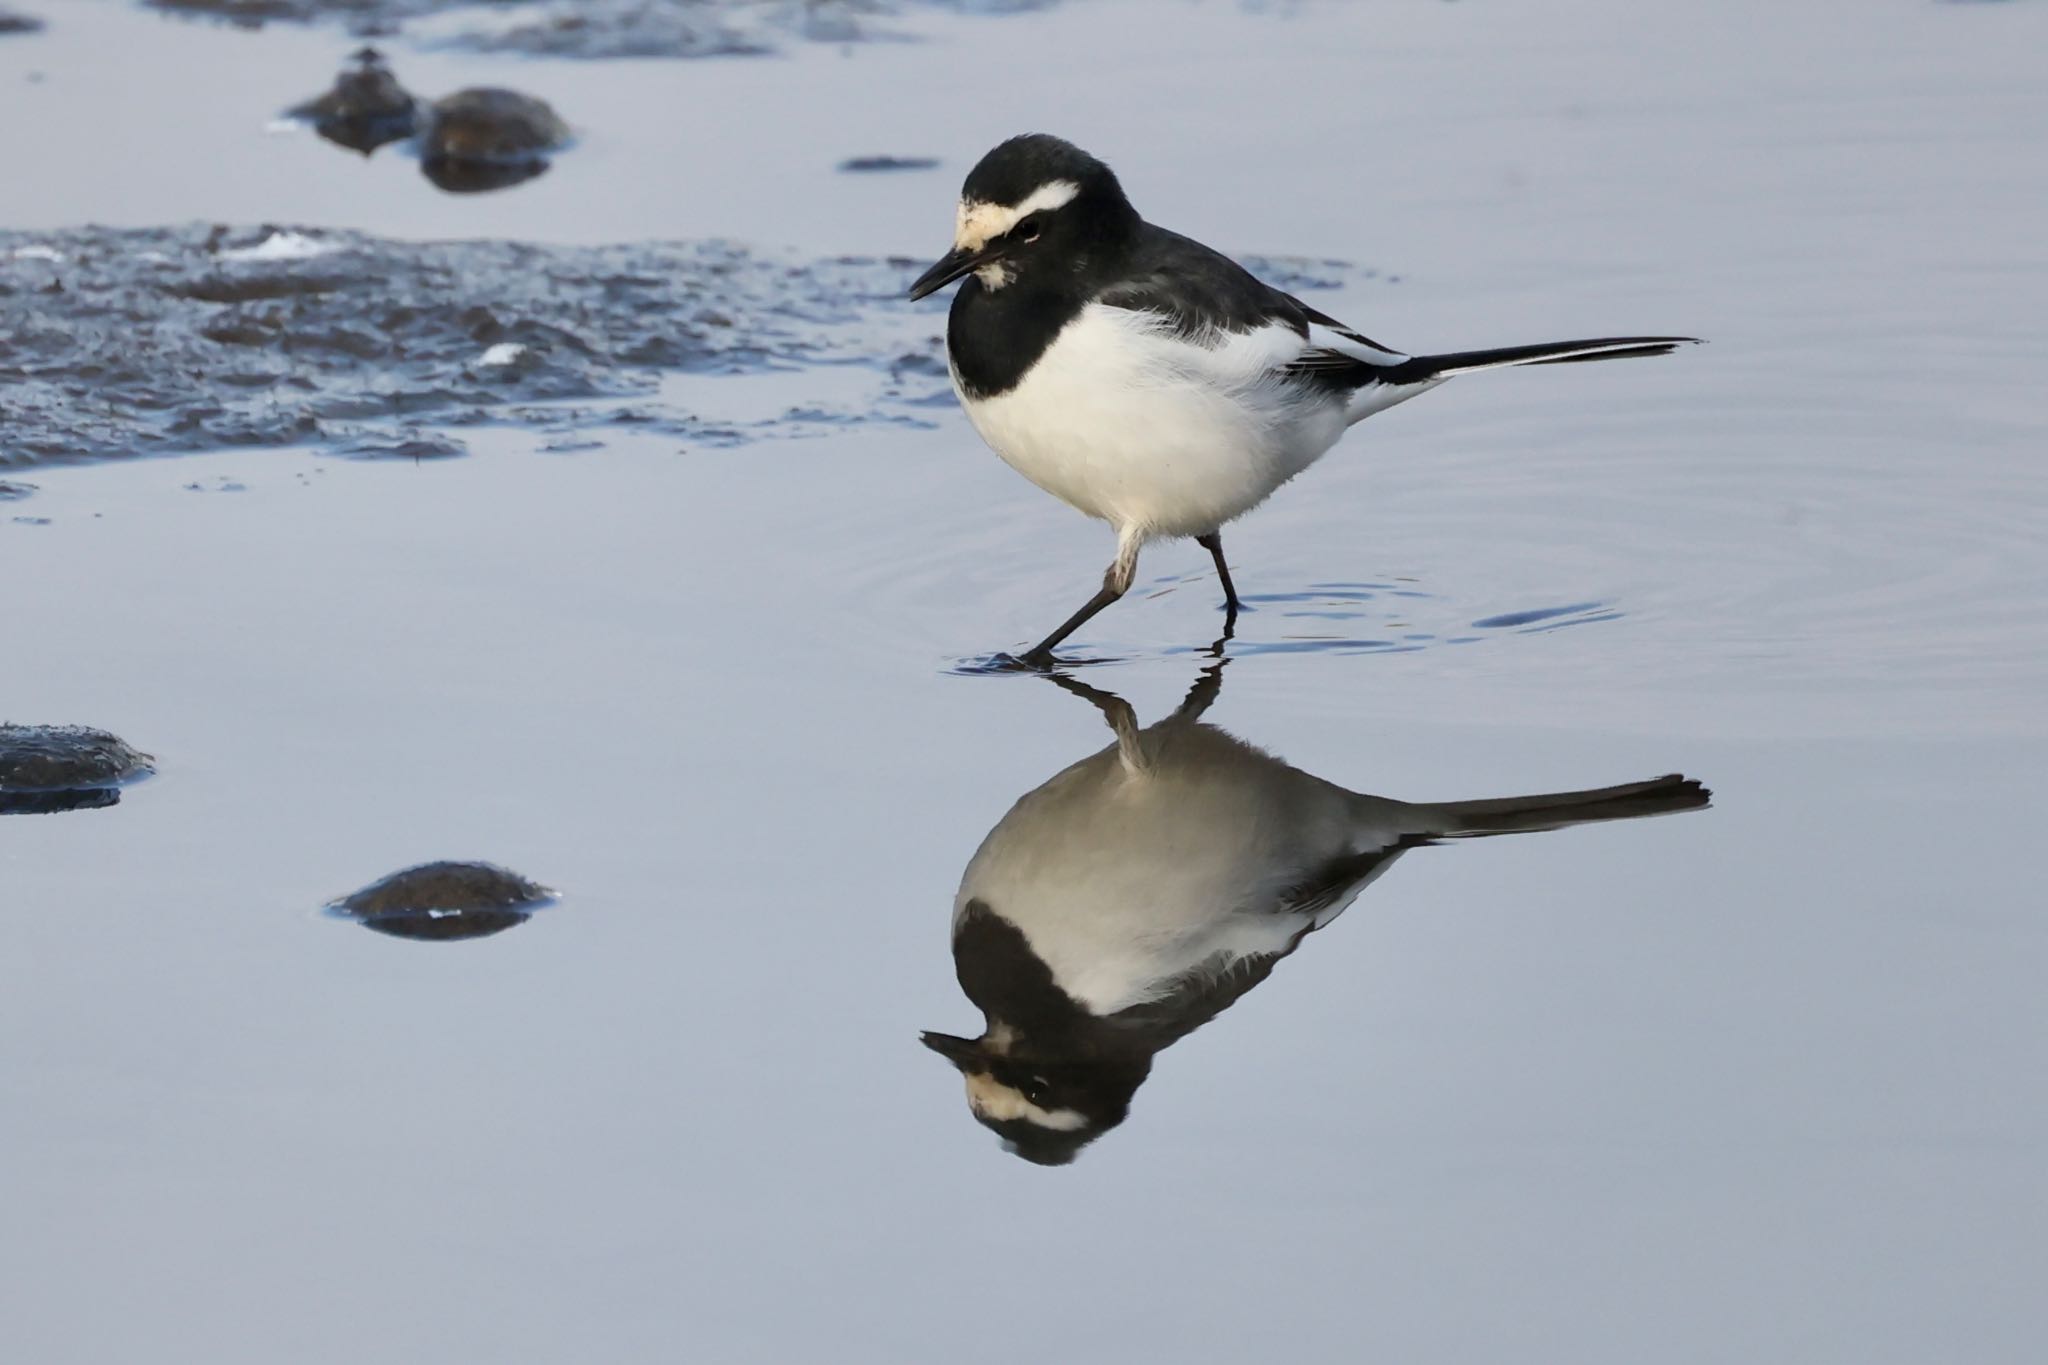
<point x="1033" y="207"/>
<point x="1044" y="1108"/>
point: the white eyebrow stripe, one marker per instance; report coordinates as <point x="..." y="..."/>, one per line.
<point x="990" y="1098"/>
<point x="980" y="223"/>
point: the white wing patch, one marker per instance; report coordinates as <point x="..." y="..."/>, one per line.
<point x="1256" y="366"/>
<point x="1332" y="347"/>
<point x="1346" y="342"/>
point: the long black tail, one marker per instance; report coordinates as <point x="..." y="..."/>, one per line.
<point x="1558" y="810"/>
<point x="1418" y="369"/>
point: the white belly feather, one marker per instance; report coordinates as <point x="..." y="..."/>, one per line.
<point x="1145" y="429"/>
<point x="1123" y="879"/>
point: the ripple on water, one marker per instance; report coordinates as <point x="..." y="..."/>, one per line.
<point x="1406" y="616"/>
<point x="1396" y="616"/>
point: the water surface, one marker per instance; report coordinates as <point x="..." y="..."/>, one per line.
<point x="1753" y="1083"/>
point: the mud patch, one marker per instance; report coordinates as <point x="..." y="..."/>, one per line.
<point x="604" y="28"/>
<point x="116" y="343"/>
<point x="50" y="768"/>
<point x="130" y="342"/>
<point x="446" y="900"/>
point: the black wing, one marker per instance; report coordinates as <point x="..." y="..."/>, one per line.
<point x="1198" y="996"/>
<point x="1194" y="999"/>
<point x="1200" y="291"/>
<point x="1322" y="887"/>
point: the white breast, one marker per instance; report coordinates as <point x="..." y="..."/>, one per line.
<point x="1128" y="422"/>
<point x="1123" y="878"/>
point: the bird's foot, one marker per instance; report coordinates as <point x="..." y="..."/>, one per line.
<point x="1031" y="661"/>
<point x="993" y="664"/>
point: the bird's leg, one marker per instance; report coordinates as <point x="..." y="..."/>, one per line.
<point x="1213" y="543"/>
<point x="1116" y="581"/>
<point x="1209" y="683"/>
<point x="1208" y="686"/>
<point x="1123" y="720"/>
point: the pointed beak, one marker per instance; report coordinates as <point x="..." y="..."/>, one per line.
<point x="961" y="1052"/>
<point x="949" y="268"/>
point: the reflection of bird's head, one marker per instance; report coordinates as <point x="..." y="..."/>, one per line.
<point x="1044" y="1108"/>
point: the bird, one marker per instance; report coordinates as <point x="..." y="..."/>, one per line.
<point x="1150" y="381"/>
<point x="1138" y="893"/>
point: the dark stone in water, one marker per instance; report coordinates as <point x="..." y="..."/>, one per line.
<point x="489" y="124"/>
<point x="365" y="109"/>
<point x="488" y="139"/>
<point x="867" y="164"/>
<point x="45" y="768"/>
<point x="446" y="924"/>
<point x="54" y="803"/>
<point x="11" y="22"/>
<point x="477" y="139"/>
<point x="444" y="901"/>
<point x="478" y="177"/>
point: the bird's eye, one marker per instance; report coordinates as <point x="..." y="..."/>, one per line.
<point x="1028" y="230"/>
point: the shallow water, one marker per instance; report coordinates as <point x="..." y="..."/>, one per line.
<point x="1757" y="1082"/>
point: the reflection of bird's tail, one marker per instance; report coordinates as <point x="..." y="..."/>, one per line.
<point x="1556" y="810"/>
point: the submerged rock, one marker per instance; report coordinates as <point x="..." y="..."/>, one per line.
<point x="47" y="768"/>
<point x="483" y="138"/>
<point x="11" y="22"/>
<point x="487" y="138"/>
<point x="444" y="900"/>
<point x="862" y="165"/>
<point x="365" y="109"/>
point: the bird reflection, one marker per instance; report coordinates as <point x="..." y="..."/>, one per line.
<point x="1136" y="895"/>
